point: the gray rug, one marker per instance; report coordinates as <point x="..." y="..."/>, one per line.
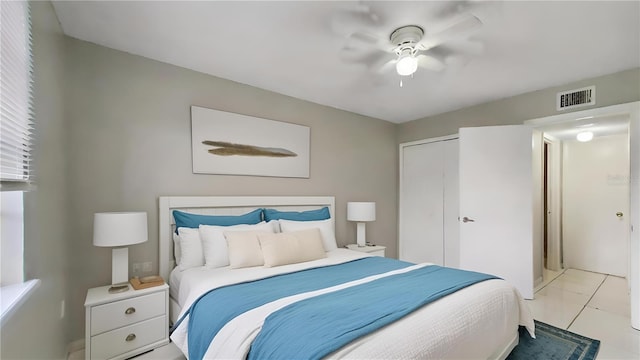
<point x="552" y="343"/>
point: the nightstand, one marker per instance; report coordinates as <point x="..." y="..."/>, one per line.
<point x="375" y="250"/>
<point x="122" y="325"/>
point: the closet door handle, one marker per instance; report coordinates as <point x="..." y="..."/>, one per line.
<point x="466" y="219"/>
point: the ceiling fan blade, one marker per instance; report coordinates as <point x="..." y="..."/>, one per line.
<point x="430" y="63"/>
<point x="446" y="9"/>
<point x="465" y="46"/>
<point x="387" y="67"/>
<point x="363" y="56"/>
<point x="361" y="40"/>
<point x="384" y="63"/>
<point x="351" y="21"/>
<point x="459" y="27"/>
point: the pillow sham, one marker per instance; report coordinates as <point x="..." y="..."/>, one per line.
<point x="244" y="248"/>
<point x="310" y="215"/>
<point x="325" y="226"/>
<point x="190" y="248"/>
<point x="214" y="243"/>
<point x="193" y="221"/>
<point x="292" y="247"/>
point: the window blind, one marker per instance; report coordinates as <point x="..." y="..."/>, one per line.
<point x="16" y="111"/>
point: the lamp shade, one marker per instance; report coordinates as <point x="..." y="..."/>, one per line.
<point x="361" y="211"/>
<point x="119" y="228"/>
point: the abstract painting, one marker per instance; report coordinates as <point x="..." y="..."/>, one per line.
<point x="235" y="144"/>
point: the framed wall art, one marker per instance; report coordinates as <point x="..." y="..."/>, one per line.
<point x="235" y="144"/>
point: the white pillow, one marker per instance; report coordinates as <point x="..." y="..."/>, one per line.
<point x="275" y="224"/>
<point x="190" y="248"/>
<point x="325" y="226"/>
<point x="214" y="244"/>
<point x="244" y="248"/>
<point x="176" y="248"/>
<point x="291" y="247"/>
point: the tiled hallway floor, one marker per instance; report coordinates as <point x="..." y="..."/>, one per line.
<point x="590" y="304"/>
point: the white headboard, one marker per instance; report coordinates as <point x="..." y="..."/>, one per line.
<point x="224" y="205"/>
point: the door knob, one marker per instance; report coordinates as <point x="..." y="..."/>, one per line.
<point x="466" y="219"/>
<point x="619" y="214"/>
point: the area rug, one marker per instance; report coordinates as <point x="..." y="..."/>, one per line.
<point x="552" y="343"/>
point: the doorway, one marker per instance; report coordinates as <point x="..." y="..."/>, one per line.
<point x="581" y="121"/>
<point x="593" y="194"/>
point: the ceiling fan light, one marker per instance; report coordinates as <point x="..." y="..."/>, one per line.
<point x="406" y="65"/>
<point x="584" y="136"/>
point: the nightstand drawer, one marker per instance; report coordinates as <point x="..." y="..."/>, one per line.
<point x="125" y="312"/>
<point x="128" y="338"/>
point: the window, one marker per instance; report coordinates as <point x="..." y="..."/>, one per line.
<point x="15" y="95"/>
<point x="15" y="149"/>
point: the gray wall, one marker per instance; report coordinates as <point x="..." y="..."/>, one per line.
<point x="618" y="88"/>
<point x="129" y="137"/>
<point x="36" y="330"/>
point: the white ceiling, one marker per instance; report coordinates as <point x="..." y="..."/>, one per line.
<point x="294" y="47"/>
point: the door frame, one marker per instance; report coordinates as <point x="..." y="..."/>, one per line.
<point x="632" y="109"/>
<point x="554" y="203"/>
<point x="401" y="177"/>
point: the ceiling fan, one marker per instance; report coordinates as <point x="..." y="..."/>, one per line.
<point x="409" y="47"/>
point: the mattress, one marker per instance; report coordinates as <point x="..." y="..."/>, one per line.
<point x="484" y="317"/>
<point x="174" y="283"/>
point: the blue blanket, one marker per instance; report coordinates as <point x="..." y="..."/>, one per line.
<point x="214" y="309"/>
<point x="315" y="327"/>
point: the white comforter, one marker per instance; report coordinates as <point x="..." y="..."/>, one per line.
<point x="475" y="322"/>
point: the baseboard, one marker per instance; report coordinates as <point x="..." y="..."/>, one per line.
<point x="75" y="346"/>
<point x="538" y="282"/>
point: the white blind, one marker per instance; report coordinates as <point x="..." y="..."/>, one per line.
<point x="15" y="92"/>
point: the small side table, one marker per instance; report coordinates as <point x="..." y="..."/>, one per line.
<point x="122" y="325"/>
<point x="375" y="250"/>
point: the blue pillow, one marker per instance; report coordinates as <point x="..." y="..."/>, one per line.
<point x="311" y="215"/>
<point x="188" y="220"/>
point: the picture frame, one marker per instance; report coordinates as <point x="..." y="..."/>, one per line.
<point x="227" y="143"/>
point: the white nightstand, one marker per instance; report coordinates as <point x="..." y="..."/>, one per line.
<point x="119" y="326"/>
<point x="375" y="250"/>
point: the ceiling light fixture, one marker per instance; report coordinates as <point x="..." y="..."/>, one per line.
<point x="407" y="63"/>
<point x="584" y="136"/>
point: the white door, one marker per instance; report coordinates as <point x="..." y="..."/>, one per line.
<point x="496" y="203"/>
<point x="451" y="204"/>
<point x="596" y="205"/>
<point x="421" y="215"/>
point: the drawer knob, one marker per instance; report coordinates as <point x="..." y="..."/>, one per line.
<point x="131" y="337"/>
<point x="130" y="311"/>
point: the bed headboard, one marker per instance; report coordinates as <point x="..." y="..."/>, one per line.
<point x="224" y="205"/>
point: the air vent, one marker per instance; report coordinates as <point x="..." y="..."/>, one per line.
<point x="576" y="98"/>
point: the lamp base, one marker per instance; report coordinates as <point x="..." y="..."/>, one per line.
<point x="360" y="235"/>
<point x="118" y="288"/>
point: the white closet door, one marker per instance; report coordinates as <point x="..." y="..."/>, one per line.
<point x="451" y="204"/>
<point x="421" y="200"/>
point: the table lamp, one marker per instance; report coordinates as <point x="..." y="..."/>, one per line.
<point x="119" y="230"/>
<point x="361" y="212"/>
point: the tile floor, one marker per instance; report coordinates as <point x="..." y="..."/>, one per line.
<point x="590" y="304"/>
<point x="586" y="303"/>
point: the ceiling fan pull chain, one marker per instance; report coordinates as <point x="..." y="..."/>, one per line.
<point x="400" y="82"/>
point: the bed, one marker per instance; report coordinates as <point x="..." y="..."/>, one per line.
<point x="479" y="320"/>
